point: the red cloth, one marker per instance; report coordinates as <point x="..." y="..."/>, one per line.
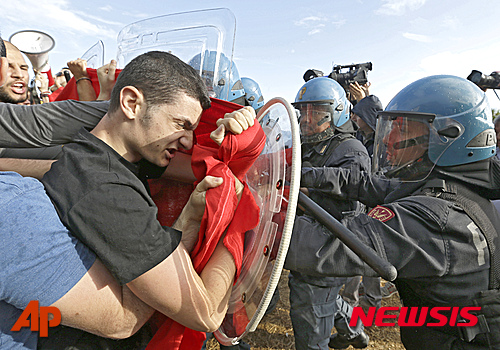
<point x="170" y="197"/>
<point x="55" y="94"/>
<point x="49" y="76"/>
<point x="69" y="92"/>
<point x="235" y="156"/>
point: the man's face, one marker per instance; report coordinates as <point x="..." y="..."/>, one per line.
<point x="406" y="141"/>
<point x="314" y="119"/>
<point x="365" y="128"/>
<point x="60" y="79"/>
<point x="165" y="128"/>
<point x="15" y="89"/>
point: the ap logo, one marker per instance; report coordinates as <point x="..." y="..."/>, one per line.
<point x="39" y="319"/>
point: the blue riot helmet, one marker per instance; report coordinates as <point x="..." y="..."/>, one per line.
<point x="220" y="75"/>
<point x="323" y="108"/>
<point x="236" y="93"/>
<point x="253" y="95"/>
<point x="441" y="121"/>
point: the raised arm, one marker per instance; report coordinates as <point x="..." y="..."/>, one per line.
<point x="84" y="86"/>
<point x="107" y="80"/>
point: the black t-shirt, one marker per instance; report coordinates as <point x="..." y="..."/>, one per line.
<point x="104" y="201"/>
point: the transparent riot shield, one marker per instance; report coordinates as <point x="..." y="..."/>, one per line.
<point x="274" y="181"/>
<point x="205" y="37"/>
<point x="95" y="55"/>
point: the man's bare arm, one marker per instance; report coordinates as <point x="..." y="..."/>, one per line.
<point x="175" y="289"/>
<point x="26" y="167"/>
<point x="97" y="304"/>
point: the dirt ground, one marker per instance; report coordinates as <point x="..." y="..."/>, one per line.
<point x="275" y="330"/>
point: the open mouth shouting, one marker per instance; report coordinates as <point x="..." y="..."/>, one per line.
<point x="19" y="87"/>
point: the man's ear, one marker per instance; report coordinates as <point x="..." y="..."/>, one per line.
<point x="132" y="101"/>
<point x="4" y="65"/>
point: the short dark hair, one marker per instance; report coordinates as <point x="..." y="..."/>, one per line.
<point x="3" y="50"/>
<point x="160" y="76"/>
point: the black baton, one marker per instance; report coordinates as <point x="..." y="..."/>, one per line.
<point x="366" y="253"/>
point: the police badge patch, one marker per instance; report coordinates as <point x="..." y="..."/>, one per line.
<point x="381" y="213"/>
<point x="302" y="92"/>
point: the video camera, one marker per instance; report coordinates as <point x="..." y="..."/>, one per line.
<point x="357" y="73"/>
<point x="312" y="73"/>
<point x="484" y="81"/>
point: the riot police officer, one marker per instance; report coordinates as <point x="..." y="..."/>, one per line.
<point x="435" y="146"/>
<point x="327" y="136"/>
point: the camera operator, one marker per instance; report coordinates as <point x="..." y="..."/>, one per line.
<point x="358" y="92"/>
<point x="354" y="81"/>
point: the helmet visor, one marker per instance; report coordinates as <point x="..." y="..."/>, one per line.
<point x="401" y="145"/>
<point x="208" y="79"/>
<point x="315" y="121"/>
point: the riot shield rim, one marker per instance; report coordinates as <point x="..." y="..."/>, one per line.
<point x="287" y="228"/>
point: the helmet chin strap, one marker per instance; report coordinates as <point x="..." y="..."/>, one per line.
<point x="409" y="170"/>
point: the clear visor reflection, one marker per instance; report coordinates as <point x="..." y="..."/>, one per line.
<point x="405" y="141"/>
<point x="313" y="120"/>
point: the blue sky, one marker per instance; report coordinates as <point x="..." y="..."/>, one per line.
<point x="277" y="41"/>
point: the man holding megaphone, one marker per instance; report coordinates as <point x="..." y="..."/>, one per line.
<point x="36" y="46"/>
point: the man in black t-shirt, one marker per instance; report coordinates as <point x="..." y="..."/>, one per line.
<point x="83" y="291"/>
<point x="100" y="191"/>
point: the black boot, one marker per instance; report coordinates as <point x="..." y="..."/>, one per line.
<point x="339" y="341"/>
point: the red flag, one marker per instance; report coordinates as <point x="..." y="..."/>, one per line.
<point x="69" y="92"/>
